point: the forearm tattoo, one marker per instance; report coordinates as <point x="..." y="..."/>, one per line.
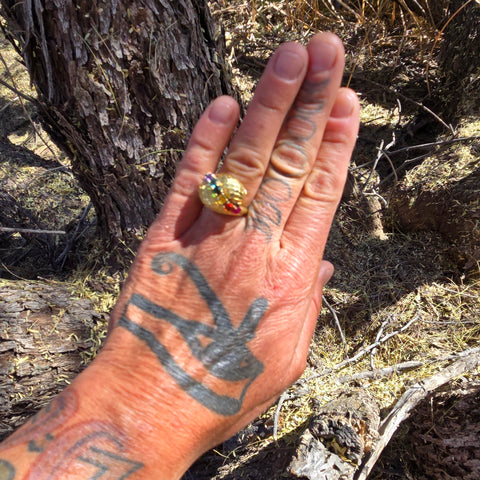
<point x="91" y="448"/>
<point x="95" y="450"/>
<point x="225" y="355"/>
<point x="38" y="429"/>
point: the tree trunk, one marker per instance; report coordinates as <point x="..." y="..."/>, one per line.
<point x="120" y="86"/>
<point x="459" y="60"/>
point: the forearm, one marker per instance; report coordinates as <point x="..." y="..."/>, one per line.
<point x="100" y="427"/>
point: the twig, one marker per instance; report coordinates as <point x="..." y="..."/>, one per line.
<point x="8" y="104"/>
<point x="392" y="166"/>
<point x="374" y="193"/>
<point x="76" y="234"/>
<point x="434" y="144"/>
<point x="418" y="104"/>
<point x="382" y="152"/>
<point x="375" y="163"/>
<point x="374" y="345"/>
<point x="16" y="91"/>
<point x="48" y="171"/>
<point x="377" y="339"/>
<point x="364" y="351"/>
<point x="402" y="166"/>
<point x="382" y="372"/>
<point x="31" y="230"/>
<point x="413" y="147"/>
<point x="462" y="294"/>
<point x="276" y="416"/>
<point x="410" y="365"/>
<point x="409" y="400"/>
<point x="337" y="321"/>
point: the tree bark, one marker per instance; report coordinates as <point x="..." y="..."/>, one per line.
<point x="459" y="60"/>
<point x="46" y="337"/>
<point x="120" y="85"/>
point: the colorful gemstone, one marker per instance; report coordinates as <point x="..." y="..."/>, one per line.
<point x="210" y="177"/>
<point x="223" y="193"/>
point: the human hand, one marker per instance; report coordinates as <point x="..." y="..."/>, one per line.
<point x="218" y="312"/>
<point x="217" y="315"/>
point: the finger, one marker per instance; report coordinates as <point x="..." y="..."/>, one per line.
<point x="208" y="141"/>
<point x="300" y="138"/>
<point x="301" y="352"/>
<point x="309" y="223"/>
<point x="250" y="150"/>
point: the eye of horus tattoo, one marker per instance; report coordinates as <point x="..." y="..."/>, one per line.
<point x="225" y="356"/>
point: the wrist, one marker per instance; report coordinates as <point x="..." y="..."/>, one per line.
<point x="160" y="424"/>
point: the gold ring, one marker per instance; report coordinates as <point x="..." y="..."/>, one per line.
<point x="223" y="194"/>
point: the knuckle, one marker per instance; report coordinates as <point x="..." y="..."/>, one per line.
<point x="313" y="96"/>
<point x="324" y="186"/>
<point x="290" y="159"/>
<point x="272" y="104"/>
<point x="300" y="127"/>
<point x="245" y="163"/>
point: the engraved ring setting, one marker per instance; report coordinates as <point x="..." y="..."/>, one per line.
<point x="223" y="194"/>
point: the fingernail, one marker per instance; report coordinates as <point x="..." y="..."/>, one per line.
<point x="288" y="65"/>
<point x="326" y="272"/>
<point x="343" y="106"/>
<point x="323" y="57"/>
<point x="220" y="113"/>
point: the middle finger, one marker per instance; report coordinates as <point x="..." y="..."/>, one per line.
<point x="250" y="149"/>
<point x="297" y="144"/>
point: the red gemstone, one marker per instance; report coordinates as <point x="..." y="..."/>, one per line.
<point x="231" y="207"/>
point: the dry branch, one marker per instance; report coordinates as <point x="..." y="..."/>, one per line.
<point x="32" y="230"/>
<point x="410" y="399"/>
<point x="366" y="350"/>
<point x="399" y="367"/>
<point x="335" y="318"/>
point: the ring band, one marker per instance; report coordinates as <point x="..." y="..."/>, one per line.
<point x="223" y="194"/>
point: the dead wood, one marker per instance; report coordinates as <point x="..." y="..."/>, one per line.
<point x="45" y="338"/>
<point x="337" y="438"/>
<point x="409" y="400"/>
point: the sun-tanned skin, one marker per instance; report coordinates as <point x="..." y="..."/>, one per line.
<point x="218" y="312"/>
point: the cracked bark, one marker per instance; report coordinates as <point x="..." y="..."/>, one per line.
<point x="120" y="85"/>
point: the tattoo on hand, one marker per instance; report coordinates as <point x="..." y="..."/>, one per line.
<point x="39" y="427"/>
<point x="225" y="355"/>
<point x="290" y="159"/>
<point x="109" y="464"/>
<point x="265" y="213"/>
